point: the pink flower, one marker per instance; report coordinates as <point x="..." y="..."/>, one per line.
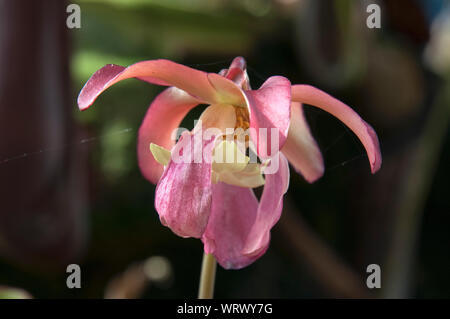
<point x="208" y="199"/>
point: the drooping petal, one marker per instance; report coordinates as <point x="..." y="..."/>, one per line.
<point x="233" y="214"/>
<point x="163" y="116"/>
<point x="269" y="209"/>
<point x="161" y="72"/>
<point x="310" y="95"/>
<point x="301" y="149"/>
<point x="183" y="194"/>
<point x="270" y="108"/>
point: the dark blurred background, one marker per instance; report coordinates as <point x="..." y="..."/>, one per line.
<point x="71" y="190"/>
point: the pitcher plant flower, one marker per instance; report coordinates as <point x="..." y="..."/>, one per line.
<point x="200" y="195"/>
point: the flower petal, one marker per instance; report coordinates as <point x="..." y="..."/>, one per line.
<point x="183" y="194"/>
<point x="310" y="95"/>
<point x="237" y="73"/>
<point x="161" y="155"/>
<point x="159" y="72"/>
<point x="233" y="213"/>
<point x="218" y="116"/>
<point x="163" y="116"/>
<point x="301" y="149"/>
<point x="228" y="92"/>
<point x="228" y="158"/>
<point x="250" y="177"/>
<point x="238" y="63"/>
<point x="270" y="108"/>
<point x="269" y="210"/>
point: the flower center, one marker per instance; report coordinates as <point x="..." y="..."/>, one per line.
<point x="242" y="118"/>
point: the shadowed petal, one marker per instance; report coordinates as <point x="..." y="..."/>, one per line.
<point x="161" y="72"/>
<point x="163" y="116"/>
<point x="270" y="108"/>
<point x="310" y="95"/>
<point x="228" y="92"/>
<point x="218" y="116"/>
<point x="269" y="210"/>
<point x="233" y="213"/>
<point x="300" y="148"/>
<point x="183" y="194"/>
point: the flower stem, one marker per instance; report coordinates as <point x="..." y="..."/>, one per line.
<point x="207" y="277"/>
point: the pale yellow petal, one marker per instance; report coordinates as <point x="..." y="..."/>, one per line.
<point x="161" y="155"/>
<point x="250" y="177"/>
<point x="228" y="157"/>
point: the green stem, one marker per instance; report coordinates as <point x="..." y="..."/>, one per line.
<point x="207" y="277"/>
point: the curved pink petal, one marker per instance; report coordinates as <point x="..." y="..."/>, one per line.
<point x="270" y="108"/>
<point x="310" y="95"/>
<point x="239" y="77"/>
<point x="163" y="72"/>
<point x="301" y="149"/>
<point x="237" y="73"/>
<point x="269" y="210"/>
<point x="238" y="63"/>
<point x="233" y="213"/>
<point x="183" y="194"/>
<point x="163" y="116"/>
